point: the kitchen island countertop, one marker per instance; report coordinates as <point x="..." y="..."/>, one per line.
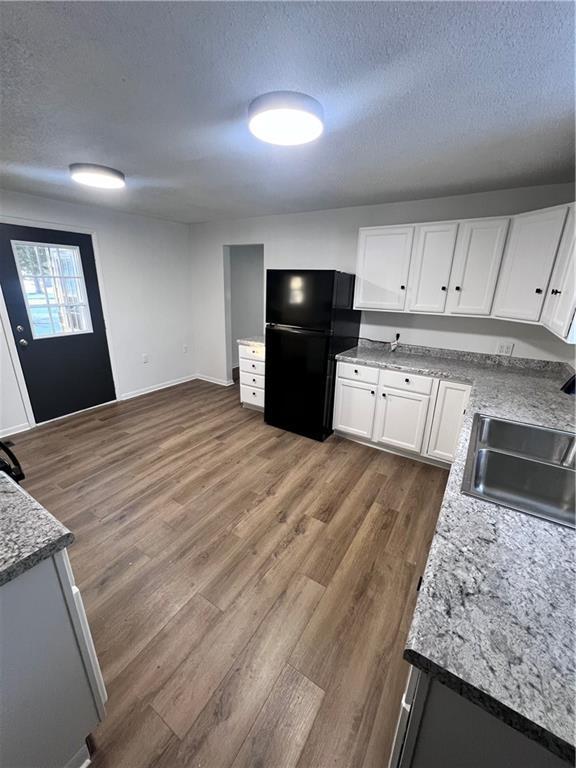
<point x="28" y="532"/>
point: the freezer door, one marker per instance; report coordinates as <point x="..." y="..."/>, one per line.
<point x="297" y="394"/>
<point x="302" y="299"/>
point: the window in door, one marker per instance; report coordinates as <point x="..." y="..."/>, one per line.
<point x="53" y="287"/>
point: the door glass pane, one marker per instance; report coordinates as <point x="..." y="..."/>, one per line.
<point x="53" y="288"/>
<point x="27" y="260"/>
<point x="64" y="262"/>
<point x="70" y="290"/>
<point x="40" y="321"/>
<point x="68" y="319"/>
<point x="34" y="290"/>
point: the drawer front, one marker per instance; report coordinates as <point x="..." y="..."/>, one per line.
<point x="252" y="380"/>
<point x="252" y="395"/>
<point x="252" y="366"/>
<point x="358" y="373"/>
<point x="407" y="381"/>
<point x="257" y="352"/>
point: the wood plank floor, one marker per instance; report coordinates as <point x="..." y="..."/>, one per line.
<point x="248" y="590"/>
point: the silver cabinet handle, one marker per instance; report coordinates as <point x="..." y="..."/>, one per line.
<point x="19" y="329"/>
<point x="23" y="342"/>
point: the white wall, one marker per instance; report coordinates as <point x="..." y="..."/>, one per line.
<point x="146" y="285"/>
<point x="246" y="294"/>
<point x="465" y="333"/>
<point x="327" y="240"/>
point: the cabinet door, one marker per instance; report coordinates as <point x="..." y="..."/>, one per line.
<point x="561" y="299"/>
<point x="382" y="267"/>
<point x="430" y="266"/>
<point x="477" y="259"/>
<point x="354" y="406"/>
<point x="447" y="420"/>
<point x="400" y="419"/>
<point x="527" y="264"/>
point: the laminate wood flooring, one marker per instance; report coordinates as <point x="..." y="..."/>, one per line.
<point x="249" y="591"/>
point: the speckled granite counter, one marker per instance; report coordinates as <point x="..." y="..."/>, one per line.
<point x="495" y="616"/>
<point x="251" y="340"/>
<point x="28" y="532"/>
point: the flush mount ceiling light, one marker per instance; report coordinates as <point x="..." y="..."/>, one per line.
<point x="97" y="176"/>
<point x="285" y="117"/>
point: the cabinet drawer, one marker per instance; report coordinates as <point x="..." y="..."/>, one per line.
<point x="358" y="373"/>
<point x="257" y="352"/>
<point x="252" y="380"/>
<point x="252" y="366"/>
<point x="407" y="381"/>
<point x="252" y="395"/>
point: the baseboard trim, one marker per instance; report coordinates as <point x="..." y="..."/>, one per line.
<point x="81" y="759"/>
<point x="212" y="380"/>
<point x="156" y="387"/>
<point x="14" y="430"/>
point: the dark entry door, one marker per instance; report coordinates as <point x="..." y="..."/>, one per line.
<point x="50" y="287"/>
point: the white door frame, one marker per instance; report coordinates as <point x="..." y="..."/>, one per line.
<point x="228" y="341"/>
<point x="5" y="320"/>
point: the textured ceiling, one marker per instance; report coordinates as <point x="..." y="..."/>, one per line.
<point x="420" y="99"/>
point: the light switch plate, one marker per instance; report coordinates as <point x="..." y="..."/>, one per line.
<point x="504" y="347"/>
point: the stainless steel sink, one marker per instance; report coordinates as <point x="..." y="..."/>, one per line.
<point x="528" y="468"/>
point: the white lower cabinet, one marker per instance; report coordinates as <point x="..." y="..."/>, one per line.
<point x="390" y="413"/>
<point x="252" y="375"/>
<point x="354" y="407"/>
<point x="400" y="419"/>
<point x="449" y="410"/>
<point x="52" y="693"/>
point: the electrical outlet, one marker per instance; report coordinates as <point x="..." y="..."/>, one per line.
<point x="504" y="347"/>
<point x="145" y="357"/>
<point x="185" y="348"/>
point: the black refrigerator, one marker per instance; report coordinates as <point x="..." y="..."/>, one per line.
<point x="309" y="320"/>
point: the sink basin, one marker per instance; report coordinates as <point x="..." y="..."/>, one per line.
<point x="528" y="468"/>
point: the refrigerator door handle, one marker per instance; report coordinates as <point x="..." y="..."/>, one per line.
<point x="298" y="329"/>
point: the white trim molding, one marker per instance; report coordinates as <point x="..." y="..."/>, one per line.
<point x="212" y="380"/>
<point x="14" y="430"/>
<point x="155" y="387"/>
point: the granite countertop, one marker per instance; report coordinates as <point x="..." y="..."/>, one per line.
<point x="251" y="340"/>
<point x="28" y="532"/>
<point x="495" y="616"/>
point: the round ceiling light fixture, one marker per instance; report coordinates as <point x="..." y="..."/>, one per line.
<point x="97" y="176"/>
<point x="287" y="118"/>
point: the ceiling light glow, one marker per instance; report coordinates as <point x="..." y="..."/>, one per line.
<point x="286" y="118"/>
<point x="97" y="176"/>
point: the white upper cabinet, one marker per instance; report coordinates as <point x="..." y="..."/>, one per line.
<point x="382" y="267"/>
<point x="561" y="298"/>
<point x="430" y="266"/>
<point x="527" y="264"/>
<point x="477" y="259"/>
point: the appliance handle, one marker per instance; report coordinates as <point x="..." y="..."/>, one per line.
<point x="298" y="329"/>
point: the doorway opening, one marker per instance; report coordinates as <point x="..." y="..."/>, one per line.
<point x="244" y="298"/>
